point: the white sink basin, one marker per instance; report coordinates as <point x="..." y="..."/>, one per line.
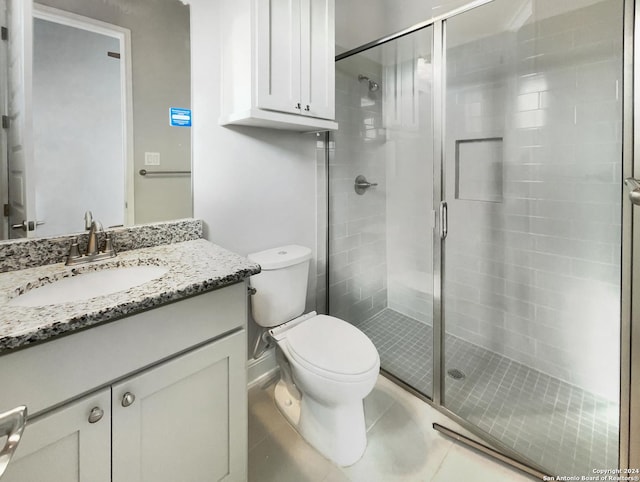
<point x="87" y="285"/>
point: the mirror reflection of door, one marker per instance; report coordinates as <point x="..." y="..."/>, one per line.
<point x="19" y="194"/>
<point x="4" y="198"/>
<point x="78" y="124"/>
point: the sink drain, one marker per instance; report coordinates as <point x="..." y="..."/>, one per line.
<point x="456" y="374"/>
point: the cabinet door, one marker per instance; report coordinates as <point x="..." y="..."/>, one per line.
<point x="184" y="420"/>
<point x="278" y="55"/>
<point x="318" y="58"/>
<point x="63" y="446"/>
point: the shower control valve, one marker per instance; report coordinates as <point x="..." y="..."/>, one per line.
<point x="361" y="184"/>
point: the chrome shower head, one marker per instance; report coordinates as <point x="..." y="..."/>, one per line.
<point x="373" y="85"/>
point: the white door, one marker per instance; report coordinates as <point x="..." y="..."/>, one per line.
<point x="278" y="55"/>
<point x="20" y="141"/>
<point x="184" y="420"/>
<point x="64" y="446"/>
<point x="317" y="76"/>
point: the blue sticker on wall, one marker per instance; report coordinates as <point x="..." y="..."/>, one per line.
<point x="180" y="117"/>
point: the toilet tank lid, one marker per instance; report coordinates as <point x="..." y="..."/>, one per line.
<point x="281" y="257"/>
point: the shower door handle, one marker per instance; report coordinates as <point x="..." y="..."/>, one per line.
<point x="444" y="221"/>
<point x="634" y="190"/>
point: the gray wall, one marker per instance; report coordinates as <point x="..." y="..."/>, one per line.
<point x="160" y="43"/>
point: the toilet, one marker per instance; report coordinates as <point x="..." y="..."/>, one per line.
<point x="327" y="365"/>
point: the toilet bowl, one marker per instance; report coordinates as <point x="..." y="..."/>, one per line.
<point x="327" y="365"/>
<point x="334" y="366"/>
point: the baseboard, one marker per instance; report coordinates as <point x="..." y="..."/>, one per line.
<point x="262" y="369"/>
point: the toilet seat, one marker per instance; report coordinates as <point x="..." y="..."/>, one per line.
<point x="332" y="348"/>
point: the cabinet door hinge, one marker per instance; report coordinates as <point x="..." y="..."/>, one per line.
<point x="4" y="33"/>
<point x="5" y="122"/>
<point x="6" y="209"/>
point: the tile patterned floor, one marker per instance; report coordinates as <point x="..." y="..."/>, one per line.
<point x="401" y="445"/>
<point x="556" y="425"/>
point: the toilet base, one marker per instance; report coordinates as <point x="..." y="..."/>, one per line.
<point x="338" y="433"/>
<point x="288" y="403"/>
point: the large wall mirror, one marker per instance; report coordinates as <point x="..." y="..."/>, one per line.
<point x="92" y="131"/>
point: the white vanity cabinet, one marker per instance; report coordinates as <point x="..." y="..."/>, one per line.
<point x="169" y="386"/>
<point x="63" y="446"/>
<point x="278" y="63"/>
<point x="180" y="420"/>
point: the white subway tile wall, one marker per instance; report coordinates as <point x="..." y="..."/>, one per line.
<point x="357" y="229"/>
<point x="536" y="277"/>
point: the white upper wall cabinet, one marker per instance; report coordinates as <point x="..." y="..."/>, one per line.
<point x="278" y="67"/>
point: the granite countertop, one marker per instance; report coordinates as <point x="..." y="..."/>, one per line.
<point x="194" y="266"/>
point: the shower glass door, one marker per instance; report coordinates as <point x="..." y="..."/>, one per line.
<point x="531" y="263"/>
<point x="380" y="237"/>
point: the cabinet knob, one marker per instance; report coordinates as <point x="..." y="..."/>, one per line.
<point x="307" y="108"/>
<point x="96" y="414"/>
<point x="127" y="399"/>
<point x="298" y="106"/>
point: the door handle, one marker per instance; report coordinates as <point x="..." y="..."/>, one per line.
<point x="27" y="225"/>
<point x="12" y="425"/>
<point x="634" y="190"/>
<point x="444" y="221"/>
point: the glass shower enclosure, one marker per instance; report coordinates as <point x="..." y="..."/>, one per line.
<point x="475" y="220"/>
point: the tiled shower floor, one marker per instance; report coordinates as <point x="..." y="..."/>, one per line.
<point x="559" y="426"/>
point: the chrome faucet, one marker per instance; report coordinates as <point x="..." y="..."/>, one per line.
<point x="93" y="251"/>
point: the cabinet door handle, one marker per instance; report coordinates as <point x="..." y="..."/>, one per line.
<point x="307" y="108"/>
<point x="127" y="399"/>
<point x="96" y="414"/>
<point x="298" y="106"/>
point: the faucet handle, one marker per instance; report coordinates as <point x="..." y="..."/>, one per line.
<point x="108" y="245"/>
<point x="74" y="251"/>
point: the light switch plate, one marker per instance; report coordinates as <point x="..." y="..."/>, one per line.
<point x="151" y="158"/>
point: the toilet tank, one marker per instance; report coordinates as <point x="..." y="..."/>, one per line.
<point x="281" y="286"/>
